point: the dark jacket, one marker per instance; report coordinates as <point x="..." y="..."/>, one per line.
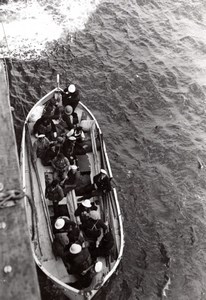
<point x="106" y="243"/>
<point x="41" y="128"/>
<point x="80" y="262"/>
<point x="60" y="242"/>
<point x="70" y="182"/>
<point x="70" y="120"/>
<point x="102" y="182"/>
<point x="40" y="147"/>
<point x="68" y="224"/>
<point x="49" y="154"/>
<point x="71" y="99"/>
<point x="68" y="148"/>
<point x="81" y="209"/>
<point x="92" y="228"/>
<point x="52" y="110"/>
<point x="54" y="193"/>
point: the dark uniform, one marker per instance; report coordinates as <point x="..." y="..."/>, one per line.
<point x="92" y="228"/>
<point x="71" y="99"/>
<point x="80" y="261"/>
<point x="54" y="193"/>
<point x="46" y="126"/>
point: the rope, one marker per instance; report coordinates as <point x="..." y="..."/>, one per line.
<point x="10" y="195"/>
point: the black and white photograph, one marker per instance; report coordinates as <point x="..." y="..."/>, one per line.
<point x="103" y="150"/>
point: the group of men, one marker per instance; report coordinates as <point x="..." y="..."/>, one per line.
<point x="58" y="137"/>
<point x="81" y="246"/>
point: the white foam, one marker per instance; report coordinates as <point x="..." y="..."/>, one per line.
<point x="28" y="26"/>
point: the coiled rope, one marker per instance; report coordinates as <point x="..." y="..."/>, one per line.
<point x="10" y="195"/>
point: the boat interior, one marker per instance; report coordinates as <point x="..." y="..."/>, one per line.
<point x="41" y="213"/>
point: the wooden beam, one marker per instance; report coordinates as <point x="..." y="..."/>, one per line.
<point x="18" y="277"/>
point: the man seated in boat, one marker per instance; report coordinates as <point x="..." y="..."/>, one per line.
<point x="90" y="278"/>
<point x="66" y="233"/>
<point x="40" y="146"/>
<point x="105" y="246"/>
<point x="71" y="96"/>
<point x="61" y="165"/>
<point x="45" y="125"/>
<point x="93" y="279"/>
<point x="54" y="193"/>
<point x="69" y="117"/>
<point x="54" y="107"/>
<point x="71" y="180"/>
<point x="92" y="229"/>
<point x="68" y="145"/>
<point x="50" y="153"/>
<point x="101" y="185"/>
<point x="79" y="259"/>
<point x="85" y="207"/>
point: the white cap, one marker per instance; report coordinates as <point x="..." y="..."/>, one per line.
<point x="59" y="224"/>
<point x="41" y="136"/>
<point x="71" y="88"/>
<point x="75" y="248"/>
<point x="94" y="214"/>
<point x="86" y="203"/>
<point x="98" y="266"/>
<point x="72" y="138"/>
<point x="103" y="171"/>
<point x="73" y="167"/>
<point x="70" y="132"/>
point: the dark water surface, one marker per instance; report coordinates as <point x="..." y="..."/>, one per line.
<point x="141" y="67"/>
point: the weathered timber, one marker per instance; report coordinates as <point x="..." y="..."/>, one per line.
<point x="18" y="277"/>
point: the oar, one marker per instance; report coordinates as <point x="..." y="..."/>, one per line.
<point x="94" y="150"/>
<point x="31" y="201"/>
<point x="45" y="208"/>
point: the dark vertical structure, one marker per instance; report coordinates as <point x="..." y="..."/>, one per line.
<point x="18" y="278"/>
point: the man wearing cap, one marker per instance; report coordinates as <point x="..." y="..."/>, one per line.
<point x="50" y="153"/>
<point x="101" y="184"/>
<point x="84" y="208"/>
<point x="94" y="277"/>
<point x="71" y="180"/>
<point x="105" y="246"/>
<point x="71" y="96"/>
<point x="64" y="225"/>
<point x="45" y="125"/>
<point x="68" y="145"/>
<point x="79" y="259"/>
<point x="54" y="193"/>
<point x="40" y="146"/>
<point x="90" y="278"/>
<point x="66" y="233"/>
<point x="92" y="228"/>
<point x="61" y="164"/>
<point x="54" y="108"/>
<point x="70" y="117"/>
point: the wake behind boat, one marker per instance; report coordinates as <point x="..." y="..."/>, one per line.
<point x="73" y="214"/>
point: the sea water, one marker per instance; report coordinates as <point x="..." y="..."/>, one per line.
<point x="141" y="69"/>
